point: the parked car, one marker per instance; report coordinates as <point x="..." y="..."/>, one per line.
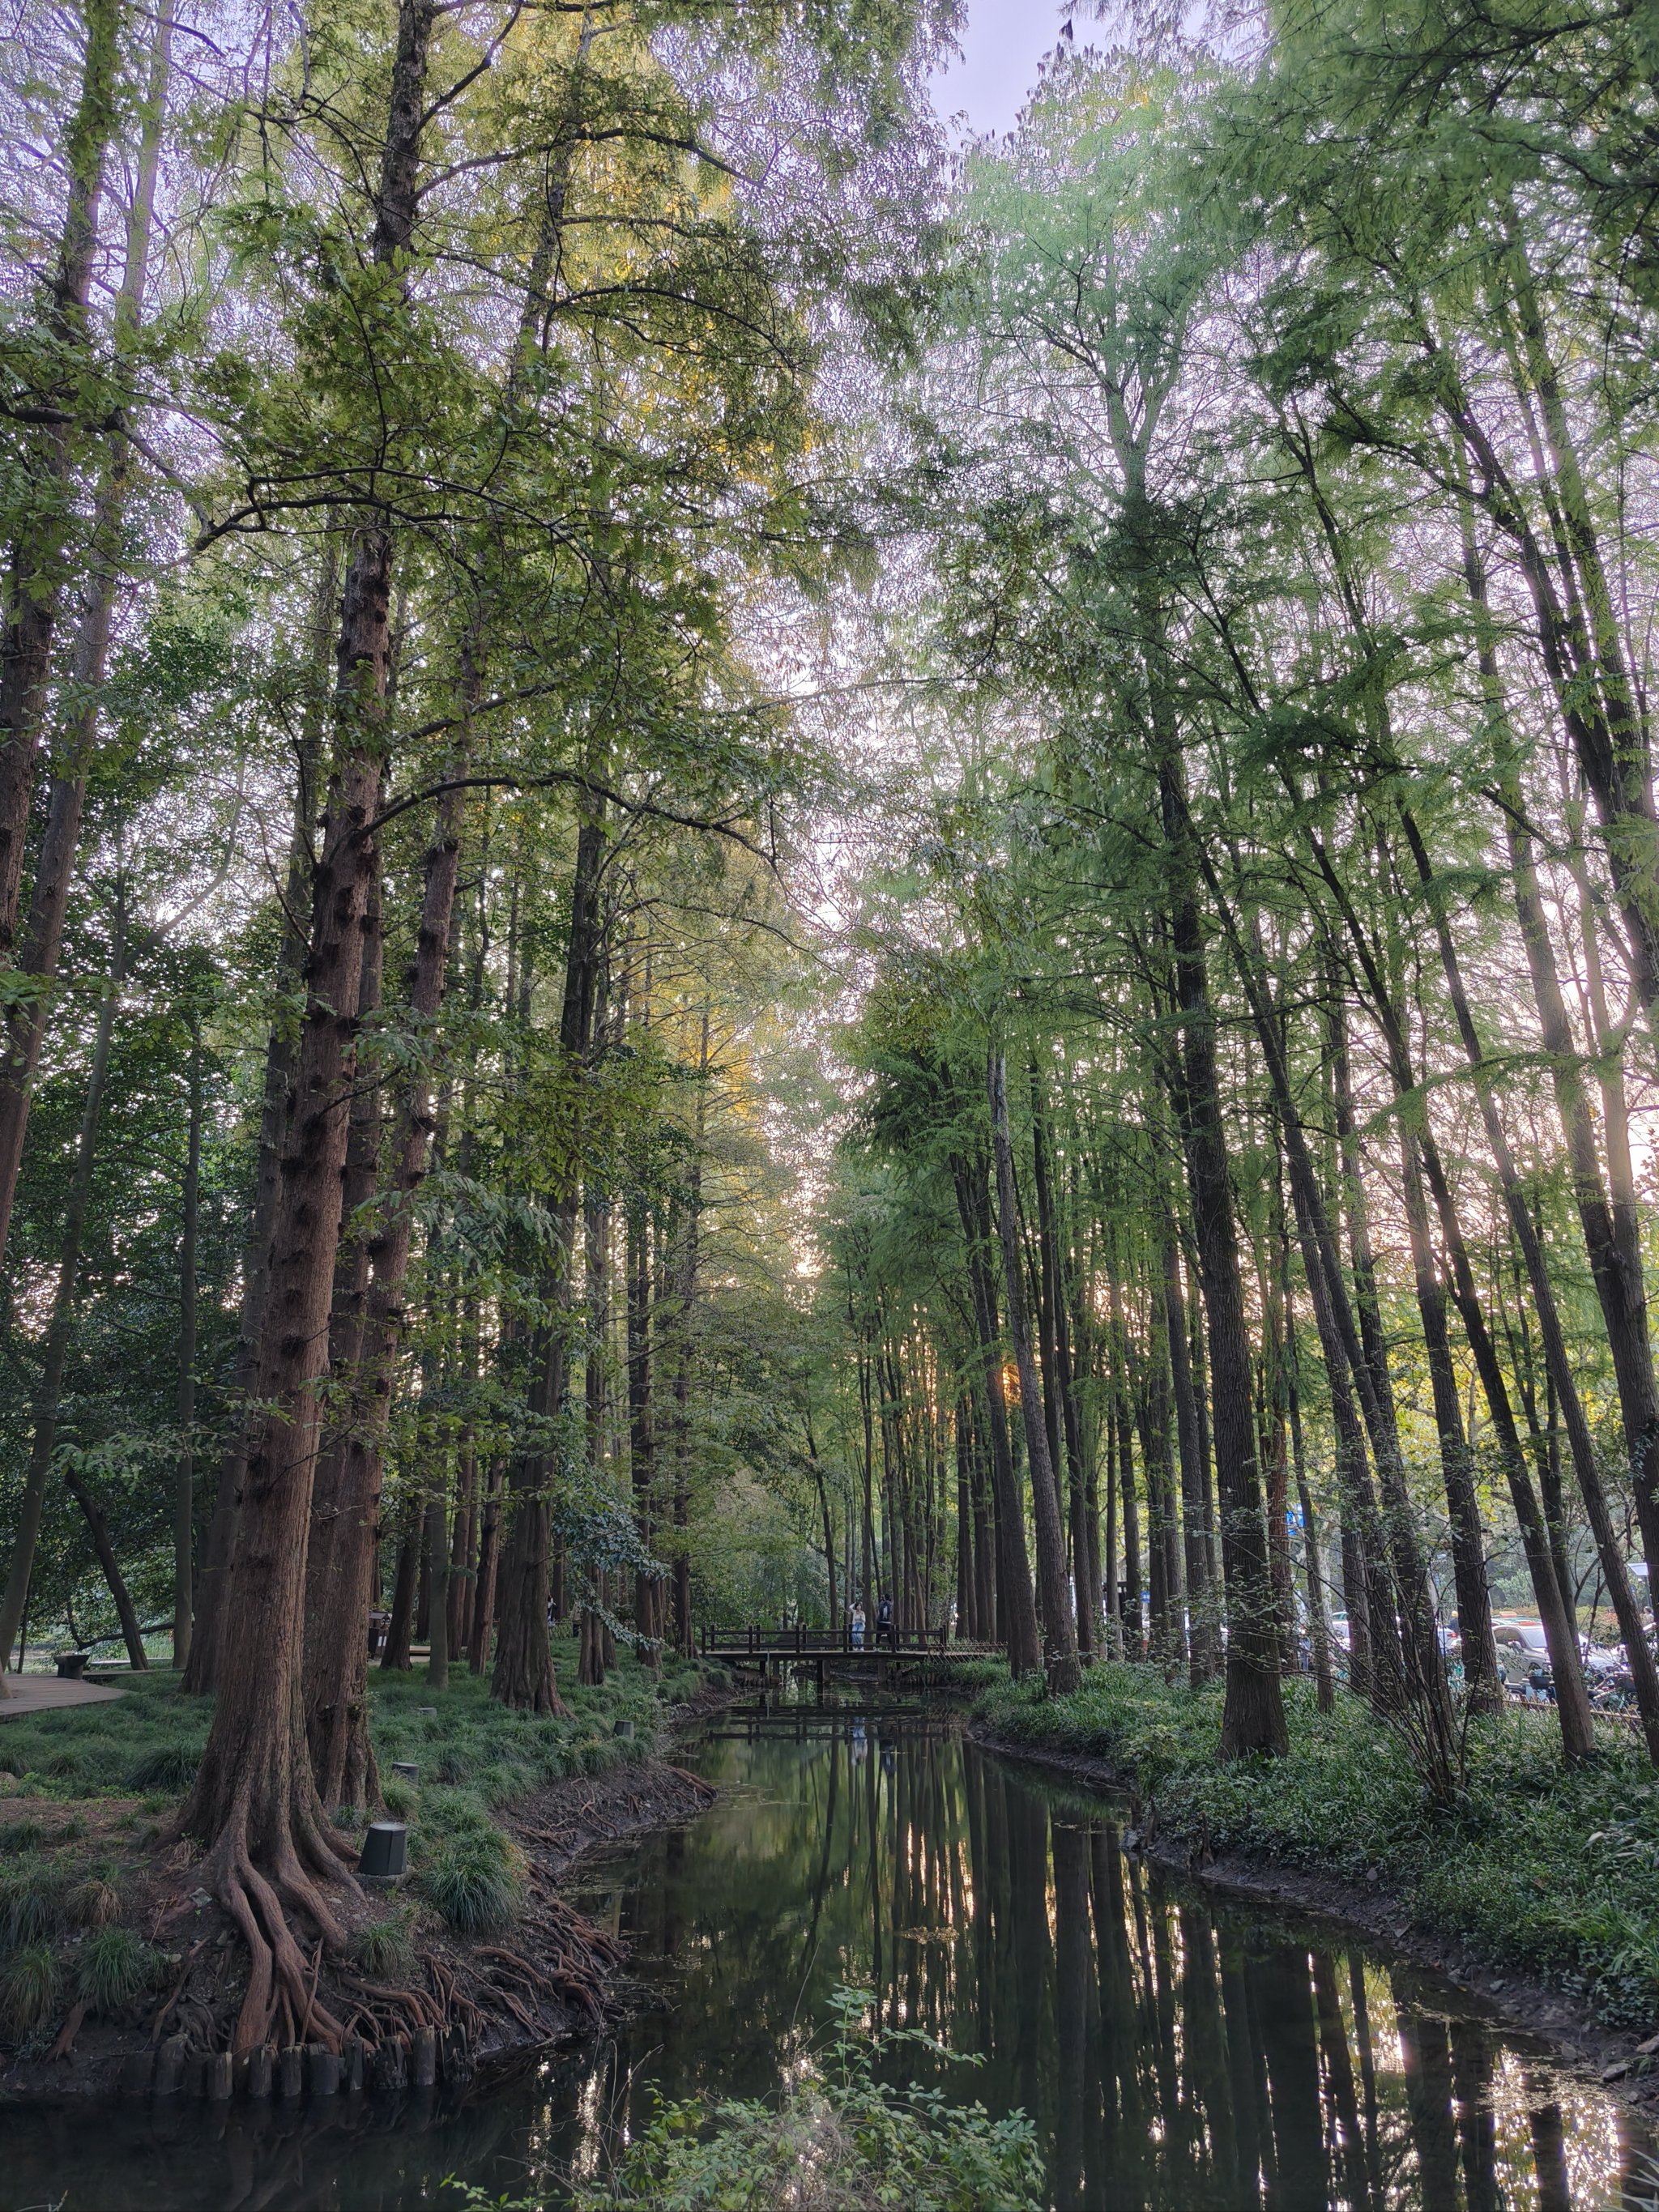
<point x="1522" y="1646"/>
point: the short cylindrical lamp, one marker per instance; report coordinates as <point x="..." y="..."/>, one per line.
<point x="385" y="1851"/>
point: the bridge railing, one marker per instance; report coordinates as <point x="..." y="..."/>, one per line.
<point x="790" y="1638"/>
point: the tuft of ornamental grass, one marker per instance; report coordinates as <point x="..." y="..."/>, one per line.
<point x="170" y="1766"/>
<point x="20" y="1836"/>
<point x="384" y="1950"/>
<point x="93" y="1903"/>
<point x="476" y="1880"/>
<point x="399" y="1797"/>
<point x="29" y="1987"/>
<point x="114" y="1967"/>
<point x="31" y="1902"/>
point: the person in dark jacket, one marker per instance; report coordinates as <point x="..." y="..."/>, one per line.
<point x="885" y="1621"/>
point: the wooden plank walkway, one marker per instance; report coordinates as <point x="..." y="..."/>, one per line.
<point x="45" y="1693"/>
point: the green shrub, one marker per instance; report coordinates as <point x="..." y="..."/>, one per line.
<point x="30" y="1986"/>
<point x="114" y="1968"/>
<point x="476" y="1879"/>
<point x="19" y="1836"/>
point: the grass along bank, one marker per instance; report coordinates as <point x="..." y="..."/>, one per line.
<point x="1536" y="1871"/>
<point x="99" y="1910"/>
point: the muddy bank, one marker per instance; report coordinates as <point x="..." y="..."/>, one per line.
<point x="447" y="2011"/>
<point x="1625" y="2066"/>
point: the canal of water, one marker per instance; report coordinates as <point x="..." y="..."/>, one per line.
<point x="1177" y="2054"/>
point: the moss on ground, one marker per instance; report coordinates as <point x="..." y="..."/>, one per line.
<point x="1536" y="1869"/>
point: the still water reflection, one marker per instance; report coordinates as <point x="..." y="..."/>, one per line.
<point x="1175" y="2054"/>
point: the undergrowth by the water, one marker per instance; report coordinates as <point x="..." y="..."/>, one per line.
<point x="1537" y="1868"/>
<point x="61" y="1894"/>
<point x="837" y="2140"/>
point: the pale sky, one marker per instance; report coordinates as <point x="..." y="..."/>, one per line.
<point x="1002" y="42"/>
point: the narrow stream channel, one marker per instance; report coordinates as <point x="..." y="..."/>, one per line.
<point x="1175" y="2054"/>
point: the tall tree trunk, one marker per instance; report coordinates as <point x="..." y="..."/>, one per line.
<point x="1614" y="1257"/>
<point x="184" y="1515"/>
<point x="1319" y="1619"/>
<point x="1059" y="1632"/>
<point x="1572" y="1702"/>
<point x="281" y="1052"/>
<point x="1055" y="1255"/>
<point x="1638" y="1656"/>
<point x="437" y="1607"/>
<point x="60" y="1327"/>
<point x="254" y="1800"/>
<point x="523" y="1675"/>
<point x="462" y="1570"/>
<point x="1483" y="1679"/>
<point x="1016" y="1610"/>
<point x="41" y="557"/>
<point x="1253" y="1717"/>
<point x="481" y="1632"/>
<point x="132" y="1634"/>
<point x="642" y="1421"/>
<point x="687" y="1261"/>
<point x="1202" y="1635"/>
<point x="1424" y="1676"/>
<point x="395" y="1657"/>
<point x="337" y="1600"/>
<point x="25" y="1017"/>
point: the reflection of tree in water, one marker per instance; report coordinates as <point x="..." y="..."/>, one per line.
<point x="1171" y="2062"/>
<point x="1175" y="2058"/>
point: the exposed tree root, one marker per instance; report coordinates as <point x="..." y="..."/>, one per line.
<point x="278" y="1970"/>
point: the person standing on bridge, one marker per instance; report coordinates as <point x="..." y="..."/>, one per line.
<point x="885" y="1621"/>
<point x="855" y="1622"/>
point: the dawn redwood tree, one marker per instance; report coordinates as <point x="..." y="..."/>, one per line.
<point x="38" y="948"/>
<point x="338" y="1599"/>
<point x="254" y="1801"/>
<point x="523" y="1673"/>
<point x="1059" y="1627"/>
<point x="59" y="362"/>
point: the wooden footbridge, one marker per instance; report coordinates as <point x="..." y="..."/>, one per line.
<point x="876" y="1656"/>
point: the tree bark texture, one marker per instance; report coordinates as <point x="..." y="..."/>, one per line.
<point x="60" y="1328"/>
<point x="26" y="1018"/>
<point x="1059" y="1631"/>
<point x="1017" y="1609"/>
<point x="40" y="558"/>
